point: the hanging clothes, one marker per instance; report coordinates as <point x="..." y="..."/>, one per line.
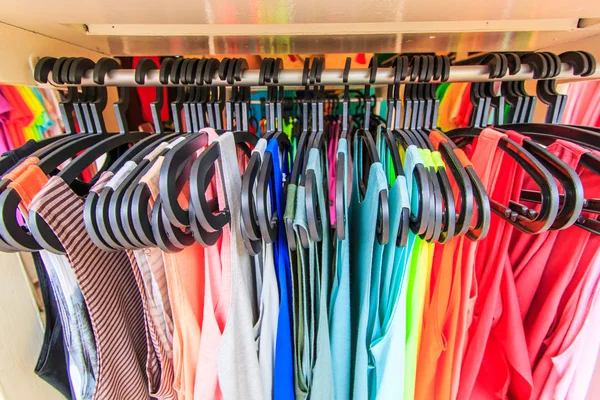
<point x="416" y="286"/>
<point x="239" y="370"/>
<point x="303" y="317"/>
<point x="266" y="329"/>
<point x="363" y="220"/>
<point x="320" y="314"/>
<point x="339" y="304"/>
<point x="491" y="339"/>
<point x="387" y="346"/>
<point x="78" y="336"/>
<point x="52" y="364"/>
<point x="582" y="93"/>
<point x="283" y="376"/>
<point x="319" y="273"/>
<point x="185" y="283"/>
<point x="118" y="326"/>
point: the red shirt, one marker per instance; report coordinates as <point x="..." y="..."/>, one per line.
<point x="495" y="363"/>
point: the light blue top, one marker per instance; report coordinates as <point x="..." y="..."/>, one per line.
<point x="365" y="253"/>
<point x="320" y="272"/>
<point x="339" y="308"/>
<point x="387" y="348"/>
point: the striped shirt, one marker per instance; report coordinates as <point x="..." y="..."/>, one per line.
<point x="110" y="292"/>
<point x="159" y="364"/>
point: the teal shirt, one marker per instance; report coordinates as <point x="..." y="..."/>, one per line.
<point x="387" y="348"/>
<point x="305" y="319"/>
<point x="320" y="272"/>
<point x="364" y="253"/>
<point x="339" y="307"/>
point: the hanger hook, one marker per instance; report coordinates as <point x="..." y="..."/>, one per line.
<point x="373" y="65"/>
<point x="43" y="68"/>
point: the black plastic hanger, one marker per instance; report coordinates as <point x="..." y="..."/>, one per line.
<point x="242" y="98"/>
<point x="421" y="220"/>
<point x="249" y="217"/>
<point x="210" y="69"/>
<point x="72" y="72"/>
<point x="229" y="103"/>
<point x="103" y="232"/>
<point x="119" y="214"/>
<point x="539" y="174"/>
<point x="96" y="204"/>
<point x="314" y="69"/>
<point x="314" y="219"/>
<point x="465" y="189"/>
<point x="549" y="209"/>
<point x="298" y="163"/>
<point x="268" y="223"/>
<point x="13" y="233"/>
<point x="573" y="197"/>
<point x="400" y="67"/>
<point x="573" y="190"/>
<point x="341" y="163"/>
<point x="189" y="105"/>
<point x="168" y="238"/>
<point x="318" y="138"/>
<point x="445" y="212"/>
<point x="120" y="205"/>
<point x="69" y="174"/>
<point x="409" y="133"/>
<point x="174" y="76"/>
<point x="383" y="216"/>
<point x="174" y="164"/>
<point x="202" y="94"/>
<point x="201" y="174"/>
<point x="446" y="230"/>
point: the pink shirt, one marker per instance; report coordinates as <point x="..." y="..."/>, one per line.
<point x="217" y="293"/>
<point x="580" y="93"/>
<point x="561" y="343"/>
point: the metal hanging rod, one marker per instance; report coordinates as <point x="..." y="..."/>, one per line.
<point x="458" y="73"/>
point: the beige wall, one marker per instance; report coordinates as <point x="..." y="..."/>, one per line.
<point x="20" y="336"/>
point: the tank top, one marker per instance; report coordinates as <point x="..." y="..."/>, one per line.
<point x="339" y="306"/>
<point x="364" y="252"/>
<point x="387" y="346"/>
<point x="416" y="282"/>
<point x="319" y="269"/>
<point x="283" y="373"/>
<point x="239" y="370"/>
<point x="118" y="326"/>
<point x="304" y="316"/>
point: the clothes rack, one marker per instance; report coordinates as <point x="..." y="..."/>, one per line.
<point x="384" y="76"/>
<point x="315" y="253"/>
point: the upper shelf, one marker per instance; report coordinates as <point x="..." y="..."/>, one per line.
<point x="145" y="27"/>
<point x="175" y="27"/>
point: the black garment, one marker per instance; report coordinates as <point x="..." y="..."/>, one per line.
<point x="13" y="157"/>
<point x="52" y="362"/>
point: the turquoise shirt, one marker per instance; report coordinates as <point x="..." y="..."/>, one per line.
<point x="387" y="349"/>
<point x="339" y="307"/>
<point x="320" y="272"/>
<point x="365" y="252"/>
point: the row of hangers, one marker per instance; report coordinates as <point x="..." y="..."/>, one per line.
<point x="119" y="217"/>
<point x="557" y="211"/>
